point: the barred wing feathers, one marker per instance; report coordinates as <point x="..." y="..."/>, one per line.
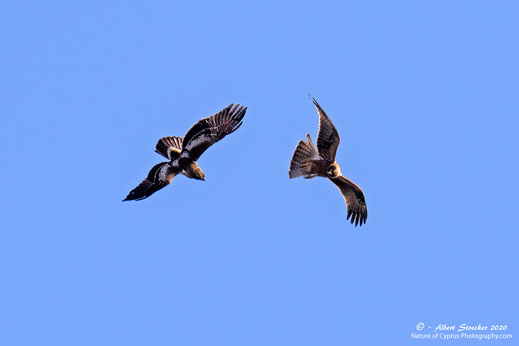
<point x="354" y="198"/>
<point x="328" y="138"/>
<point x="210" y="130"/>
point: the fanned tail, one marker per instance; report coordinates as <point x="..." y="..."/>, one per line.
<point x="304" y="152"/>
<point x="169" y="147"/>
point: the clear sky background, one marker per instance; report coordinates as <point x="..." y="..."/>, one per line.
<point x="423" y="93"/>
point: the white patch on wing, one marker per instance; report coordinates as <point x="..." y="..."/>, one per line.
<point x="165" y="174"/>
<point x="163" y="171"/>
<point x="198" y="141"/>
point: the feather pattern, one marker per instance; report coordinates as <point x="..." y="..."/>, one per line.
<point x="159" y="176"/>
<point x="328" y="138"/>
<point x="210" y="130"/>
<point x="301" y="159"/>
<point x="169" y="147"/>
<point x="354" y="199"/>
<point x="184" y="152"/>
<point x="309" y="161"/>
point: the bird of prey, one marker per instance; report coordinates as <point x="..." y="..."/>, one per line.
<point x="310" y="162"/>
<point x="183" y="153"/>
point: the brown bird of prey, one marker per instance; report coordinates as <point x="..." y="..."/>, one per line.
<point x="310" y="162"/>
<point x="183" y="153"/>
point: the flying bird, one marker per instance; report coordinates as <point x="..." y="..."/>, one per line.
<point x="310" y="162"/>
<point x="183" y="153"/>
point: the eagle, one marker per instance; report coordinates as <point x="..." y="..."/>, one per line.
<point x="183" y="153"/>
<point x="310" y="162"/>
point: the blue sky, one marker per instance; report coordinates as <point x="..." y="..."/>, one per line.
<point x="424" y="95"/>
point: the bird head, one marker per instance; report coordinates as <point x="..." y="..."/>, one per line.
<point x="199" y="174"/>
<point x="195" y="172"/>
<point x="333" y="171"/>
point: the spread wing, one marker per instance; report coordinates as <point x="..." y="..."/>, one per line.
<point x="158" y="177"/>
<point x="328" y="138"/>
<point x="210" y="130"/>
<point x="169" y="147"/>
<point x="354" y="200"/>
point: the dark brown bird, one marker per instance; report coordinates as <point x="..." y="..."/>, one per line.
<point x="183" y="153"/>
<point x="310" y="162"/>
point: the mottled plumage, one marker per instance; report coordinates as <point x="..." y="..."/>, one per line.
<point x="309" y="161"/>
<point x="183" y="153"/>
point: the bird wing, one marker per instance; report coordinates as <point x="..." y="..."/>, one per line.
<point x="169" y="147"/>
<point x="158" y="177"/>
<point x="210" y="130"/>
<point x="328" y="138"/>
<point x="354" y="200"/>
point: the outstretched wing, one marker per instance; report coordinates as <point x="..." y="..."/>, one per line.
<point x="158" y="177"/>
<point x="328" y="138"/>
<point x="210" y="130"/>
<point x="354" y="200"/>
<point x="169" y="147"/>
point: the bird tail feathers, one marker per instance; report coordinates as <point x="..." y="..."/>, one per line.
<point x="301" y="159"/>
<point x="169" y="147"/>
